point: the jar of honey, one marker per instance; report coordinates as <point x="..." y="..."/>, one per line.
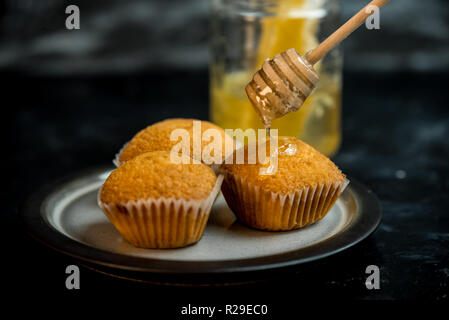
<point x="244" y="34"/>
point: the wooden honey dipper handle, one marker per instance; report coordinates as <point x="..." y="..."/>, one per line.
<point x="314" y="55"/>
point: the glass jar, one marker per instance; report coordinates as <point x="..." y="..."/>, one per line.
<point x="244" y="34"/>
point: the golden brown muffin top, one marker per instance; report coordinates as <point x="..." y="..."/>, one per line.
<point x="154" y="175"/>
<point x="299" y="166"/>
<point x="157" y="137"/>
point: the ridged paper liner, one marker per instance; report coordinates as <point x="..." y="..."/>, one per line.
<point x="267" y="210"/>
<point x="161" y="222"/>
<point x="116" y="161"/>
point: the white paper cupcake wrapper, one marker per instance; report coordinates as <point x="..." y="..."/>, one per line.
<point x="266" y="210"/>
<point x="116" y="161"/>
<point x="161" y="222"/>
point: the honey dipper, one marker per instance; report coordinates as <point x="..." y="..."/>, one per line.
<point x="283" y="83"/>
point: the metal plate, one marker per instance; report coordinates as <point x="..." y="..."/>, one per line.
<point x="67" y="218"/>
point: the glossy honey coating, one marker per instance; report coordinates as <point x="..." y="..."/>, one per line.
<point x="154" y="175"/>
<point x="157" y="137"/>
<point x="298" y="166"/>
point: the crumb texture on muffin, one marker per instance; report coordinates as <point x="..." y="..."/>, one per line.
<point x="157" y="137"/>
<point x="297" y="169"/>
<point x="153" y="175"/>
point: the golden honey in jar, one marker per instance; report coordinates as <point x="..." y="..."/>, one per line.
<point x="245" y="33"/>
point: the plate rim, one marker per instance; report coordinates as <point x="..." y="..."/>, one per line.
<point x="39" y="228"/>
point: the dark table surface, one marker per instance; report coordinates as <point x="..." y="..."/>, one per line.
<point x="395" y="141"/>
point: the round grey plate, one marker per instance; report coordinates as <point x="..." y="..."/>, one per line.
<point x="66" y="217"/>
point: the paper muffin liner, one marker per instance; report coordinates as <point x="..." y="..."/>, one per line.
<point x="271" y="211"/>
<point x="116" y="161"/>
<point x="161" y="222"/>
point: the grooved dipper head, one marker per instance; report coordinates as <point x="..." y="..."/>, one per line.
<point x="281" y="85"/>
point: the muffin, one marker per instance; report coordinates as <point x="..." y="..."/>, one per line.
<point x="155" y="203"/>
<point x="157" y="137"/>
<point x="299" y="192"/>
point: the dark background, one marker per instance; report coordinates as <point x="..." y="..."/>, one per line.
<point x="70" y="99"/>
<point x="132" y="36"/>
